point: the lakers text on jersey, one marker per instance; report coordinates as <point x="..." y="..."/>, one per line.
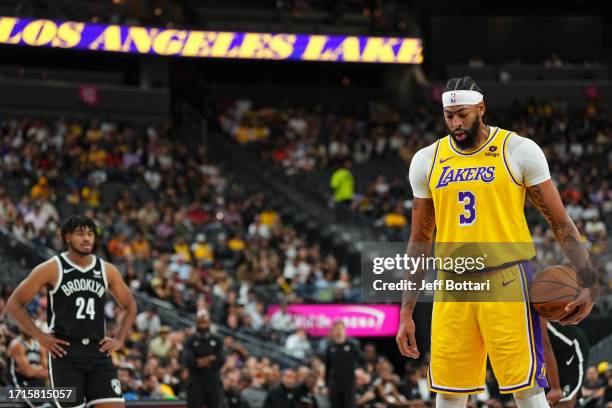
<point x="479" y="205"/>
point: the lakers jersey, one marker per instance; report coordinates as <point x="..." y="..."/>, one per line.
<point x="76" y="303"/>
<point x="478" y="202"/>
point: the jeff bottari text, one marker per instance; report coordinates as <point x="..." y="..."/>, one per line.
<point x="438" y="284"/>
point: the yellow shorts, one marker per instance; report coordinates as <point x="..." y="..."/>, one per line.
<point x="502" y="326"/>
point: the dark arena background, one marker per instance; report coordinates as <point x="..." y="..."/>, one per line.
<point x="203" y="137"/>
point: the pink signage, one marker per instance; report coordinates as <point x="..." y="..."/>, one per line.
<point x="361" y="320"/>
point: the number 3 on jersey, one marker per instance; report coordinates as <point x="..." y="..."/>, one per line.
<point x="468" y="200"/>
<point x="89" y="309"/>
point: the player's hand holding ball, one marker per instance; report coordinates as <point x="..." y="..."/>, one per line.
<point x="580" y="308"/>
<point x="557" y="295"/>
<point x="53" y="344"/>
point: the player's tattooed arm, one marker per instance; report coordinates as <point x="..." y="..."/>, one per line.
<point x="419" y="244"/>
<point x="545" y="198"/>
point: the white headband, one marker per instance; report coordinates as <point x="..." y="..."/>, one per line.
<point x="461" y="97"/>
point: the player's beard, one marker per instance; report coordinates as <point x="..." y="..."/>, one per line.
<point x="471" y="136"/>
<point x="78" y="251"/>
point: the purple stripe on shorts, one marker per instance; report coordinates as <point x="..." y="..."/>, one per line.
<point x="537" y="332"/>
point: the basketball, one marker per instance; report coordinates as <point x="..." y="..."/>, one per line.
<point x="552" y="289"/>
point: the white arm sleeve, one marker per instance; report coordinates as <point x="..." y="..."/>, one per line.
<point x="526" y="161"/>
<point x="418" y="173"/>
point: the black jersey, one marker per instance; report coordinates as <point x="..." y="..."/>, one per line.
<point x="76" y="302"/>
<point x="571" y="348"/>
<point x="32" y="352"/>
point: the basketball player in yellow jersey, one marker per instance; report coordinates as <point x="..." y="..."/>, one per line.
<point x="470" y="186"/>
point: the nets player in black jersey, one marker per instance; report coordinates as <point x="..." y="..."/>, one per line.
<point x="566" y="351"/>
<point x="28" y="365"/>
<point x="77" y="284"/>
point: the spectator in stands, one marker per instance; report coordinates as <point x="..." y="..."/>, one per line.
<point x="592" y="388"/>
<point x="148" y="215"/>
<point x="254" y="392"/>
<point x="231" y="346"/>
<point x="91" y="195"/>
<point x="148" y="321"/>
<point x="247" y="325"/>
<point x="259" y="230"/>
<point x="365" y="393"/>
<point x="118" y="247"/>
<point x="180" y="265"/>
<point x="257" y="314"/>
<point x="409" y="387"/>
<point x="140" y="247"/>
<point x="297" y="345"/>
<point x="38" y="218"/>
<point x="370" y="357"/>
<point x="222" y="250"/>
<point x="7" y="209"/>
<point x="202" y="251"/>
<point x="41" y="190"/>
<point x="386" y="386"/>
<point x="308" y="391"/>
<point x="150" y="389"/>
<point x="285" y="394"/>
<point x="231" y="217"/>
<point x="181" y="248"/>
<point x="343" y="184"/>
<point x="236" y="243"/>
<point x="161" y="345"/>
<point x="129" y="387"/>
<point x="423" y="382"/>
<point x="281" y="320"/>
<point x="396" y="219"/>
<point x="231" y="386"/>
